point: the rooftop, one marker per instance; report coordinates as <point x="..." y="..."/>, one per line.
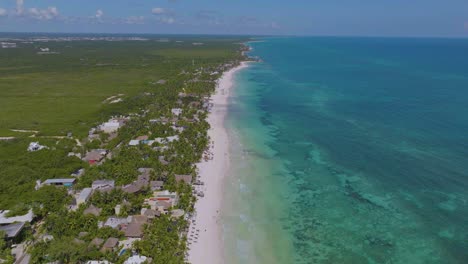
<point x="85" y="193"/>
<point x="115" y="222"/>
<point x="92" y="210"/>
<point x="97" y="154"/>
<point x="60" y="181"/>
<point x="186" y="178"/>
<point x="12" y="230"/>
<point x="97" y="242"/>
<point x="134" y="229"/>
<point x="10" y="220"/>
<point x="137" y="259"/>
<point x="156" y="185"/>
<point x="111" y="243"/>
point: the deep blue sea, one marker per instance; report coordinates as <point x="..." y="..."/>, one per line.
<point x="349" y="150"/>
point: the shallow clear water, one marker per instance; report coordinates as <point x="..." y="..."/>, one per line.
<point x="349" y="150"/>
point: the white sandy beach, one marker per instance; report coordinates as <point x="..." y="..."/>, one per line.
<point x="206" y="234"/>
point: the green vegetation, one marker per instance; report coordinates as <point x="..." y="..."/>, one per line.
<point x="66" y="92"/>
<point x="4" y="250"/>
<point x="58" y="93"/>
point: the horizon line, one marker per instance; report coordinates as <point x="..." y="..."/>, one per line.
<point x="235" y="35"/>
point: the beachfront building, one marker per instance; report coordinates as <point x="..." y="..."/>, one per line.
<point x="162" y="201"/>
<point x="150" y="213"/>
<point x="142" y="182"/>
<point x="156" y="185"/>
<point x="137" y="259"/>
<point x="118" y="222"/>
<point x="183" y="178"/>
<point x="135" y="228"/>
<point x="177" y="213"/>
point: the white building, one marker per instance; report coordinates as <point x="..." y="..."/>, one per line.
<point x="176" y="111"/>
<point x="8" y="45"/>
<point x="137" y="259"/>
<point x="134" y="142"/>
<point x="103" y="184"/>
<point x="10" y="220"/>
<point x="167" y="139"/>
<point x="110" y="126"/>
<point x="84" y="196"/>
<point x="35" y="146"/>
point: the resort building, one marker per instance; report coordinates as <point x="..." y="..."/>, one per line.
<point x="150" y="213"/>
<point x="117" y="222"/>
<point x="110" y="244"/>
<point x="184" y="178"/>
<point x="156" y="185"/>
<point x="137" y="259"/>
<point x="162" y="201"/>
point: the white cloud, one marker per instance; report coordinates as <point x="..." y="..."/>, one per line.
<point x="43" y="14"/>
<point x="165" y="16"/>
<point x="3" y="12"/>
<point x="19" y="6"/>
<point x="167" y="20"/>
<point x="158" y="11"/>
<point x="274" y="25"/>
<point x="99" y="14"/>
<point x="135" y="20"/>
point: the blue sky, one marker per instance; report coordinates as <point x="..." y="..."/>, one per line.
<point x="445" y="18"/>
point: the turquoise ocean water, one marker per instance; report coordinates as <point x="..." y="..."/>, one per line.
<point x="349" y="150"/>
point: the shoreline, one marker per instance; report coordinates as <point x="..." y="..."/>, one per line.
<point x="208" y="248"/>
